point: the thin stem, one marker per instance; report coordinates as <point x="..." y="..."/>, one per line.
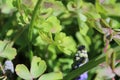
<point x="33" y="19"/>
<point x="84" y="68"/>
<point x="106" y="46"/>
<point x="2" y="69"/>
<point x="18" y="4"/>
<point x="91" y="64"/>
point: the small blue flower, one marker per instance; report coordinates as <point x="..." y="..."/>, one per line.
<point x="83" y="76"/>
<point x="9" y="66"/>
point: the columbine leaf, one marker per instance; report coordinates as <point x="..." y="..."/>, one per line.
<point x="23" y="72"/>
<point x="65" y="43"/>
<point x="46" y="37"/>
<point x="51" y="76"/>
<point x="57" y="6"/>
<point x="52" y="25"/>
<point x="38" y="67"/>
<point x="6" y="51"/>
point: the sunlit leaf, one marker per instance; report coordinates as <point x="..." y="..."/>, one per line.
<point x="46" y="37"/>
<point x="38" y="67"/>
<point x="52" y="25"/>
<point x="7" y="7"/>
<point x="23" y="72"/>
<point x="6" y="51"/>
<point x="57" y="6"/>
<point x="65" y="43"/>
<point x="100" y="8"/>
<point x="112" y="9"/>
<point x="51" y="76"/>
<point x="71" y="6"/>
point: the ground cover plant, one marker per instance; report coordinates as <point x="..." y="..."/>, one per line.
<point x="40" y="38"/>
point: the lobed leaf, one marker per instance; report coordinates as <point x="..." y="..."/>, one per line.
<point x="6" y="51"/>
<point x="65" y="43"/>
<point x="52" y="25"/>
<point x="51" y="76"/>
<point x="38" y="67"/>
<point x="23" y="72"/>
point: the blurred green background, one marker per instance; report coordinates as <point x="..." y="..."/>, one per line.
<point x="56" y="28"/>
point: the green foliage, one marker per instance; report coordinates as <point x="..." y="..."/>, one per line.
<point x="51" y="25"/>
<point x="52" y="30"/>
<point x="51" y="76"/>
<point x="38" y="67"/>
<point x="65" y="43"/>
<point x="6" y="51"/>
<point x="7" y="6"/>
<point x="23" y="72"/>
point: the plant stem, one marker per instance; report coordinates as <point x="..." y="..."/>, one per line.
<point x="106" y="46"/>
<point x="91" y="64"/>
<point x="3" y="71"/>
<point x="34" y="15"/>
<point x="84" y="68"/>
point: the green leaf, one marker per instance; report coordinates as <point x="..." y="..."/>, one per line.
<point x="57" y="6"/>
<point x="82" y="40"/>
<point x="7" y="7"/>
<point x="117" y="41"/>
<point x="51" y="76"/>
<point x="52" y="25"/>
<point x="83" y="29"/>
<point x="6" y="51"/>
<point x="22" y="19"/>
<point x="91" y="12"/>
<point x="71" y="6"/>
<point x="38" y="67"/>
<point x="100" y="8"/>
<point x="23" y="72"/>
<point x="65" y="43"/>
<point x="110" y="1"/>
<point x="46" y="37"/>
<point x="45" y="13"/>
<point x="113" y="10"/>
<point x="82" y="17"/>
<point x="104" y="24"/>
